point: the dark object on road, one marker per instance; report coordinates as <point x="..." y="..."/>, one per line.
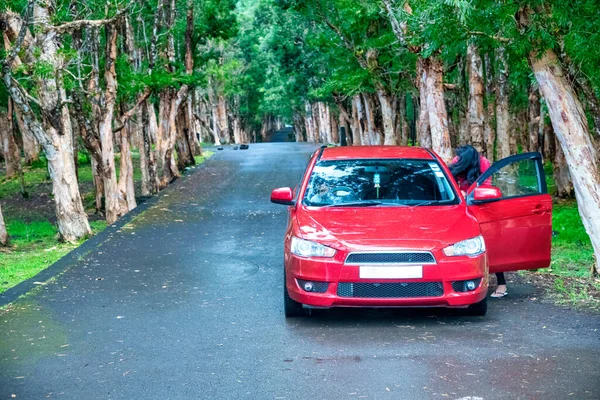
<point x="220" y="148"/>
<point x="235" y="147"/>
<point x="244" y="147"/>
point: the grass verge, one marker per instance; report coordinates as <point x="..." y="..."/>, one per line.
<point x="33" y="236"/>
<point x="34" y="247"/>
<point x="568" y="281"/>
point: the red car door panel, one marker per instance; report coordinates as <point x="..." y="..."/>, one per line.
<point x="517" y="228"/>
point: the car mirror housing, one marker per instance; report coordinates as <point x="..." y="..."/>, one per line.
<point x="283" y="196"/>
<point x="485" y="194"/>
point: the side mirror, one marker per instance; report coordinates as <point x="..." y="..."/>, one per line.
<point x="485" y="194"/>
<point x="283" y="196"/>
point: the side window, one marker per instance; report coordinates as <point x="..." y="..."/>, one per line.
<point x="519" y="178"/>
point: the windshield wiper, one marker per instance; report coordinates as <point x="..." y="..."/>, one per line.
<point x="364" y="203"/>
<point x="424" y="203"/>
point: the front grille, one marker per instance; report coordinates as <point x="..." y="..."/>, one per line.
<point x="391" y="290"/>
<point x="390" y="258"/>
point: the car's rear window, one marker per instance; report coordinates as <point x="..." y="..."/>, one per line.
<point x="403" y="182"/>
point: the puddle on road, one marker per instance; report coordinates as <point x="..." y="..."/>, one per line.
<point x="29" y="333"/>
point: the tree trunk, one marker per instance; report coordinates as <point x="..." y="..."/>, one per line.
<point x="359" y="129"/>
<point x="549" y="143"/>
<point x="190" y="128"/>
<point x="31" y="148"/>
<point x="12" y="154"/>
<point x="388" y="114"/>
<point x="299" y="123"/>
<point x="150" y="133"/>
<point x="402" y="121"/>
<point x="316" y="123"/>
<point x="489" y="132"/>
<point x="203" y="118"/>
<point x="309" y="122"/>
<point x="3" y="232"/>
<point x="424" y="134"/>
<point x="185" y="156"/>
<point x="518" y="133"/>
<point x="214" y="110"/>
<point x="438" y="117"/>
<point x="464" y="129"/>
<point x="374" y="135"/>
<point x="223" y="120"/>
<point x="324" y="123"/>
<point x="116" y="204"/>
<point x="125" y="184"/>
<point x="562" y="177"/>
<point x="97" y="176"/>
<point x="533" y="125"/>
<point x="571" y="129"/>
<point x="476" y="91"/>
<point x="91" y="141"/>
<point x="345" y="121"/>
<point x="335" y="134"/>
<point x="163" y="161"/>
<point x="237" y="121"/>
<point x="542" y="143"/>
<point x="55" y="136"/>
<point x="502" y="114"/>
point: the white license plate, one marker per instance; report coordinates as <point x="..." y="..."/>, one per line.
<point x="391" y="272"/>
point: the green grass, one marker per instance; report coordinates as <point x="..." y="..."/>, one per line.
<point x="33" y="177"/>
<point x="205" y="155"/>
<point x="572" y="252"/>
<point x="34" y="247"/>
<point x="568" y="281"/>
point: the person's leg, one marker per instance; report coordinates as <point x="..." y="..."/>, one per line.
<point x="501" y="289"/>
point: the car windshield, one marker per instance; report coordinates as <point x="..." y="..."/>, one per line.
<point x="389" y="182"/>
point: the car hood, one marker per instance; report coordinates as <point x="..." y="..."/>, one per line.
<point x="372" y="228"/>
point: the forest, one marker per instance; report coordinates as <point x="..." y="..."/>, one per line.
<point x="132" y="91"/>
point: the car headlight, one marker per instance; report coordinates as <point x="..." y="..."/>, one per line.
<point x="469" y="247"/>
<point x="306" y="248"/>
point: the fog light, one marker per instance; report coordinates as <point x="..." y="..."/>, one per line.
<point x="470" y="285"/>
<point x="313" y="286"/>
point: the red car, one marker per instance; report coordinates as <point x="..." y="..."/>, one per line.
<point x="387" y="226"/>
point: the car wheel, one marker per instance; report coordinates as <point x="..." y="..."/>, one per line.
<point x="478" y="308"/>
<point x="291" y="307"/>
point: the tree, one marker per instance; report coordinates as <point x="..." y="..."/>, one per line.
<point x="3" y="232"/>
<point x="54" y="132"/>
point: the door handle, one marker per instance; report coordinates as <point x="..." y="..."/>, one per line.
<point x="540" y="209"/>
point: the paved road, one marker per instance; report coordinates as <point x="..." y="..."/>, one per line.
<point x="185" y="302"/>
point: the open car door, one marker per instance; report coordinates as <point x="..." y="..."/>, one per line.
<point x="514" y="213"/>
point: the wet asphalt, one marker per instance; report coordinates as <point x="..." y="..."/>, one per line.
<point x="185" y="302"/>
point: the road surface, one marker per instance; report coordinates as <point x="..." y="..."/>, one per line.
<point x="185" y="302"/>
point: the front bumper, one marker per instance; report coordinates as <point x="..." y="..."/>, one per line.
<point x="334" y="271"/>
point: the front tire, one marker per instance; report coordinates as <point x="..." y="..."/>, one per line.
<point x="291" y="307"/>
<point x="479" y="309"/>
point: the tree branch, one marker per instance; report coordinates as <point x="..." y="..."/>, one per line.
<point x="74" y="25"/>
<point x="495" y="37"/>
<point x="349" y="45"/>
<point x="125" y="117"/>
<point x="7" y="63"/>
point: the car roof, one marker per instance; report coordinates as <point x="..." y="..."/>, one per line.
<point x="354" y="152"/>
